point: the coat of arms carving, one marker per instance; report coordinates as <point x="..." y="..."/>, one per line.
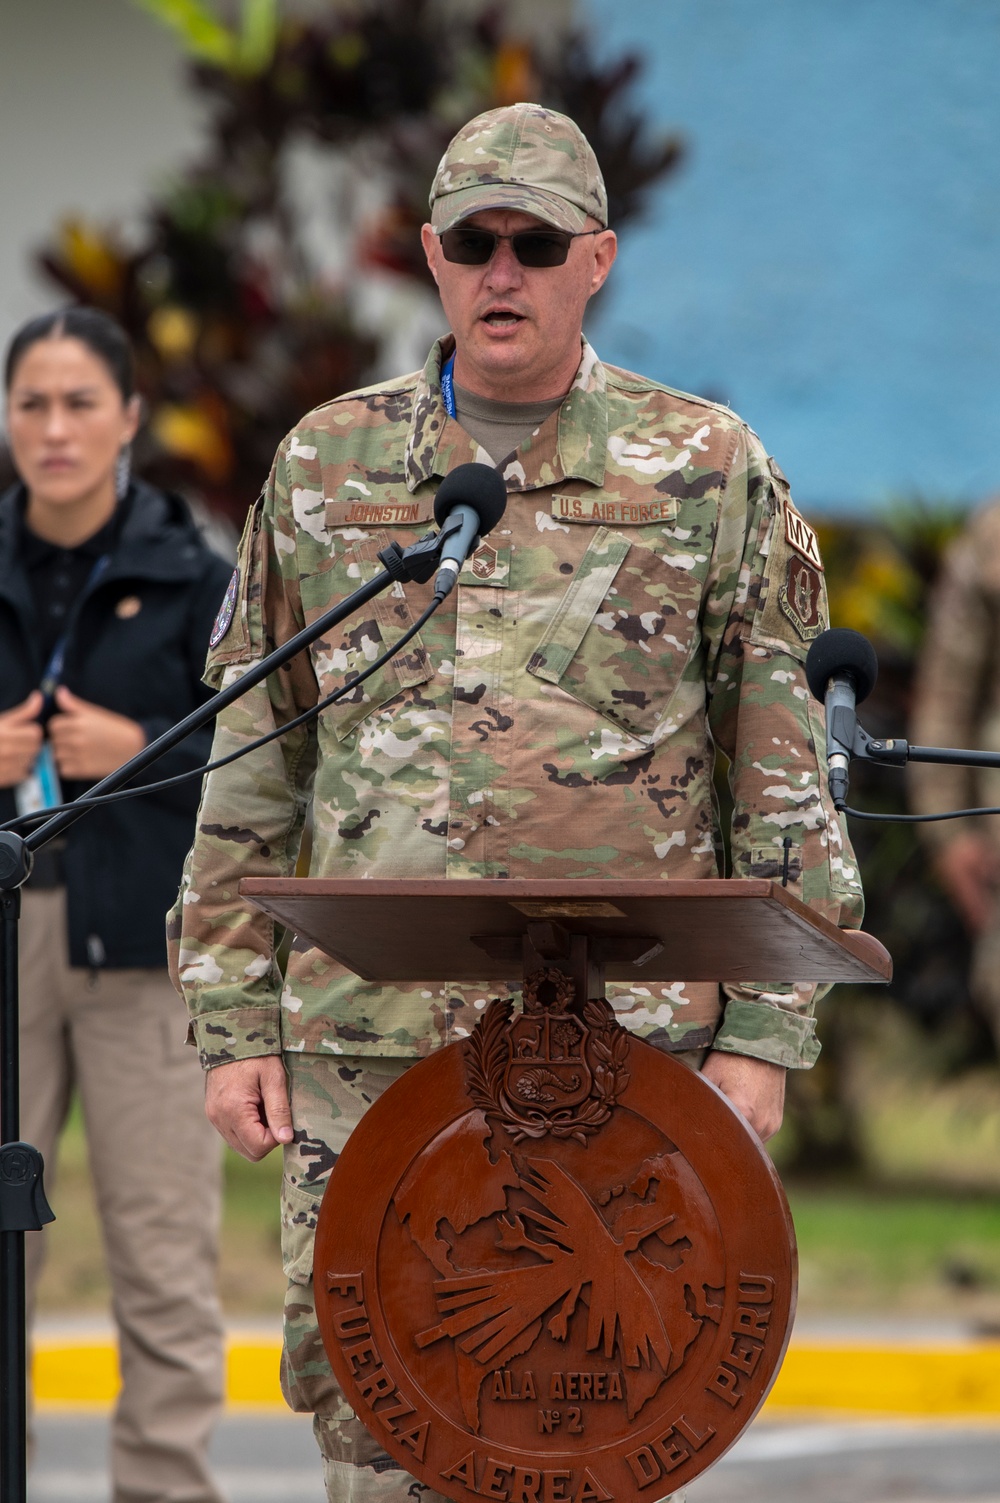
<point x="548" y="1071"/>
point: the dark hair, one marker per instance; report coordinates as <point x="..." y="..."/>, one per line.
<point x="98" y="331"/>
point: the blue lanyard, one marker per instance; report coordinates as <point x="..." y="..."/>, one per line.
<point x="54" y="668"/>
<point x="448" y="385"/>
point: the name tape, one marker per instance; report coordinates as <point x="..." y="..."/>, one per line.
<point x="618" y="513"/>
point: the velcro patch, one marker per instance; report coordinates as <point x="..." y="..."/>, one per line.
<point x="489" y="565"/>
<point x="800" y="536"/>
<point x="226" y="609"/>
<point x="801" y="598"/>
<point x="600" y="511"/>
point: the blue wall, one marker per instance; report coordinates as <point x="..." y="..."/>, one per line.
<point x="828" y="258"/>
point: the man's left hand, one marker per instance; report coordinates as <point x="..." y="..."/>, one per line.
<point x="88" y="741"/>
<point x="754" y="1086"/>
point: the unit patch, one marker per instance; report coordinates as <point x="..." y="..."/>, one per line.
<point x="800" y="536"/>
<point x="226" y="609"/>
<point x="801" y="598"/>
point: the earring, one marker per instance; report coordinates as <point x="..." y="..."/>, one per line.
<point x="123" y="471"/>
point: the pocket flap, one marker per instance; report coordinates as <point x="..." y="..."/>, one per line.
<point x="579" y="605"/>
<point x="299" y="1215"/>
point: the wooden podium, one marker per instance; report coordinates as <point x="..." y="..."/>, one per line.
<point x="553" y="1264"/>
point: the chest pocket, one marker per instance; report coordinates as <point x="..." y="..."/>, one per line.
<point x="621" y="635"/>
<point x="363" y="638"/>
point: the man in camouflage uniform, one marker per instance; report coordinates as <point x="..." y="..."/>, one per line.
<point x="649" y="593"/>
<point x="958" y="704"/>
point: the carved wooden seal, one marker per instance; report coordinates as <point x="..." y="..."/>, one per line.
<point x="553" y="1265"/>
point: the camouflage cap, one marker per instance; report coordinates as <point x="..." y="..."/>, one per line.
<point x="520" y="157"/>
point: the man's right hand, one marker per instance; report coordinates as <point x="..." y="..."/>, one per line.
<point x="246" y="1101"/>
<point x="969" y="870"/>
<point x="20" y="740"/>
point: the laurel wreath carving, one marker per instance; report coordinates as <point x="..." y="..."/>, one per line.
<point x="564" y="992"/>
<point x="487" y="1054"/>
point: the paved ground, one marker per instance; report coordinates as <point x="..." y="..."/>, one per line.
<point x="271" y="1458"/>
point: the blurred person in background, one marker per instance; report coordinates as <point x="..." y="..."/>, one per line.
<point x="107" y="597"/>
<point x="957" y="703"/>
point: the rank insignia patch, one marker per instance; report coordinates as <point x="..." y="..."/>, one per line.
<point x="801" y="598"/>
<point x="484" y="561"/>
<point x="226" y="609"/>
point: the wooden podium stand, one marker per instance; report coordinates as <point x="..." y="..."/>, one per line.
<point x="554" y="1265"/>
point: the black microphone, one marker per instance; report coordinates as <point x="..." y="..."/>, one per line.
<point x="469" y="504"/>
<point x="841" y="668"/>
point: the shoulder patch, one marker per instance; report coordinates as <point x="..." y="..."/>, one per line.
<point x="800" y="596"/>
<point x="224" y="619"/>
<point x="800" y="536"/>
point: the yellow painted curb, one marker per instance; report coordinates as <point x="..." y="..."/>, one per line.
<point x="86" y="1372"/>
<point x="890" y="1380"/>
<point x="867" y="1379"/>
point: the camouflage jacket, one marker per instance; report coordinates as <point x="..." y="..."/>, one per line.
<point x="957" y="700"/>
<point x="649" y="594"/>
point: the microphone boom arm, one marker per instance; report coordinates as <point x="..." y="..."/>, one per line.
<point x="896" y="752"/>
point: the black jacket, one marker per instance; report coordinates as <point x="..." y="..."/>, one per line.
<point x="123" y="863"/>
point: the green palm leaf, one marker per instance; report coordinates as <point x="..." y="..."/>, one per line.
<point x="259" y="34"/>
<point x="201" y="33"/>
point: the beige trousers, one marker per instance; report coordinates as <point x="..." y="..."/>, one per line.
<point x="117" y="1037"/>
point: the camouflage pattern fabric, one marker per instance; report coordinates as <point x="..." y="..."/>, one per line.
<point x="957" y="700"/>
<point x="328" y="1101"/>
<point x="520" y="157"/>
<point x="957" y="703"/>
<point x="650" y="594"/>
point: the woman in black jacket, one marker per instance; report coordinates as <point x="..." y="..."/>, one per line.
<point x="107" y="597"/>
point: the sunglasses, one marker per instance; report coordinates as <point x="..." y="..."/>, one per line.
<point x="472" y="247"/>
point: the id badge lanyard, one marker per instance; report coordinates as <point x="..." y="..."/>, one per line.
<point x="448" y="386"/>
<point x="41" y="789"/>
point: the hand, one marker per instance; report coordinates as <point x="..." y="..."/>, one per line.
<point x="20" y="740"/>
<point x="969" y="870"/>
<point x="754" y="1086"/>
<point x="247" y="1102"/>
<point x="88" y="741"/>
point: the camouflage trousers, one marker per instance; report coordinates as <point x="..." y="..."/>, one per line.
<point x="329" y="1096"/>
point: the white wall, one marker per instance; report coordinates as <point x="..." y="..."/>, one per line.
<point x="92" y="111"/>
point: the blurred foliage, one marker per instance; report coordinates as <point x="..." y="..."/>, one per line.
<point x="240" y="320"/>
<point x="246" y="50"/>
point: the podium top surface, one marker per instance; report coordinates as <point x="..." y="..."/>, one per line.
<point x="721" y="929"/>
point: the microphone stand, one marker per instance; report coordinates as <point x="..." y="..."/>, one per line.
<point x="23" y="1206"/>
